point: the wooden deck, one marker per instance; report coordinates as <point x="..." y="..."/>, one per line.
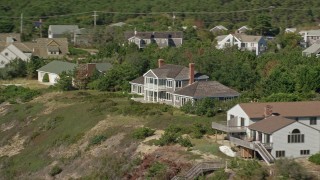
<point x="228" y="129"/>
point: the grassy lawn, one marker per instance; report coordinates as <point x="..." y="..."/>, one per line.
<point x="30" y="83"/>
<point x="67" y="124"/>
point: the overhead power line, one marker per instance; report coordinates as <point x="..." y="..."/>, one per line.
<point x="151" y="13"/>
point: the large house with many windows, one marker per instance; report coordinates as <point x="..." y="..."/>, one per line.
<point x="274" y="129"/>
<point x="176" y="85"/>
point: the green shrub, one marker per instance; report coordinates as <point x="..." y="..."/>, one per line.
<point x="55" y="170"/>
<point x="97" y="140"/>
<point x="45" y="77"/>
<point x="315" y="158"/>
<point x="185" y="142"/>
<point x="198" y="130"/>
<point x="156" y="169"/>
<point x="220" y="175"/>
<point x="290" y="169"/>
<point x="142" y="133"/>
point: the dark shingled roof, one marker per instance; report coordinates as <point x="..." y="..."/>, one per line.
<point x="285" y="109"/>
<point x="139" y="80"/>
<point x="149" y="35"/>
<point x="176" y="72"/>
<point x="201" y="89"/>
<point x="271" y="124"/>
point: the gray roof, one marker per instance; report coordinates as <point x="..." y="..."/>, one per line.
<point x="60" y="29"/>
<point x="220" y="38"/>
<point x="202" y="89"/>
<point x="103" y="67"/>
<point x="219" y="28"/>
<point x="150" y="35"/>
<point x="271" y="124"/>
<point x="247" y="38"/>
<point x="314" y="32"/>
<point x="139" y="80"/>
<point x="314" y="49"/>
<point x="57" y="67"/>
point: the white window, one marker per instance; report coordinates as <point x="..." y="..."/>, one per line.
<point x="178" y="84"/>
<point x="169" y="83"/>
<point x="252" y="44"/>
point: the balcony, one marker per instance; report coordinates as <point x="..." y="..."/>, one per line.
<point x="155" y="87"/>
<point x="248" y="143"/>
<point x="228" y="129"/>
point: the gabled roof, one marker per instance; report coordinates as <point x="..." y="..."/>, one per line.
<point x="314" y="48"/>
<point x="40" y="46"/>
<point x="219" y="27"/>
<point x="313" y="32"/>
<point x="57" y="67"/>
<point x="220" y="38"/>
<point x="247" y="38"/>
<point x="244" y="27"/>
<point x="271" y="124"/>
<point x="103" y="67"/>
<point x="149" y="35"/>
<point x="61" y="29"/>
<point x="139" y="80"/>
<point x="201" y="89"/>
<point x="22" y="47"/>
<point x="285" y="109"/>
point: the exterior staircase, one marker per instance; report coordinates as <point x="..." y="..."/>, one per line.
<point x="267" y="157"/>
<point x="256" y="146"/>
<point x="200" y="168"/>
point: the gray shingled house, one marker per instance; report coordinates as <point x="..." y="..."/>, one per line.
<point x="162" y="39"/>
<point x="314" y="50"/>
<point x="58" y="31"/>
<point x="175" y="85"/>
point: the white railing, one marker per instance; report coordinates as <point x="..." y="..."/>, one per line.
<point x="229" y="129"/>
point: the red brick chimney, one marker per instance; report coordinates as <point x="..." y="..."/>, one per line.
<point x="160" y="63"/>
<point x="191" y="73"/>
<point x="267" y="111"/>
<point x="90" y="69"/>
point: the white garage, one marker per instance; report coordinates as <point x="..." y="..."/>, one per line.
<point x="53" y="69"/>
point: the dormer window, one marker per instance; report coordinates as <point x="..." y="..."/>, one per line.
<point x="169" y="83"/>
<point x="178" y="84"/>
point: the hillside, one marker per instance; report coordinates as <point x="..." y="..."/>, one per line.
<point x="206" y="13"/>
<point x="89" y="134"/>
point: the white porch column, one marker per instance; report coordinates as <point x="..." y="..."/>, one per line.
<point x="145" y="95"/>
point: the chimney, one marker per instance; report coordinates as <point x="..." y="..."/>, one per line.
<point x="191" y="73"/>
<point x="90" y="69"/>
<point x="267" y="111"/>
<point x="160" y="63"/>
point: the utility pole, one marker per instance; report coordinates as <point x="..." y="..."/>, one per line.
<point x="94" y="18"/>
<point x="21" y="23"/>
<point x="40" y="27"/>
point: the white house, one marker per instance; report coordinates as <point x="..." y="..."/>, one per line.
<point x="314" y="50"/>
<point x="273" y="129"/>
<point x="256" y="44"/>
<point x="53" y="69"/>
<point x="310" y="37"/>
<point x="285" y="137"/>
<point x="13" y="51"/>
